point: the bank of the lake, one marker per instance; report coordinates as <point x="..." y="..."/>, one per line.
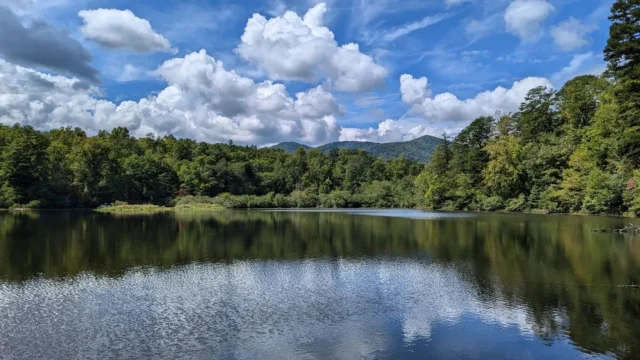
<point x="125" y="208"/>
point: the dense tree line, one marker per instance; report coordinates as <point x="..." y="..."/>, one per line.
<point x="572" y="150"/>
<point x="65" y="168"/>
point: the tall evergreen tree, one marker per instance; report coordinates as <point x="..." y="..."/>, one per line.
<point x="623" y="54"/>
<point x="623" y="49"/>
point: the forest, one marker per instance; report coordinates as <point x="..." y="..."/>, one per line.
<point x="65" y="168"/>
<point x="572" y="150"/>
<point x="575" y="150"/>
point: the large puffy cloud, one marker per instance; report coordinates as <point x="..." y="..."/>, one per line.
<point x="121" y="29"/>
<point x="202" y="101"/>
<point x="524" y="17"/>
<point x="571" y="34"/>
<point x="316" y="103"/>
<point x="42" y="45"/>
<point x="46" y="101"/>
<point x="413" y="90"/>
<point x="447" y="107"/>
<point x="443" y="113"/>
<point x="290" y="47"/>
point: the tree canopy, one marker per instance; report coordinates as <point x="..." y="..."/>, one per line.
<point x="66" y="168"/>
<point x="572" y="150"/>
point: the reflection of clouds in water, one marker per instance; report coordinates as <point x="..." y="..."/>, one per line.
<point x="341" y="309"/>
<point x="431" y="295"/>
<point x="438" y="295"/>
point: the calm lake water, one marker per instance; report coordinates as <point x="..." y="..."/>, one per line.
<point x="316" y="285"/>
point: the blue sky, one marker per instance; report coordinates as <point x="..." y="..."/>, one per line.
<point x="306" y="71"/>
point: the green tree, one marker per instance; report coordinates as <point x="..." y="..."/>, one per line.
<point x="95" y="172"/>
<point x="435" y="181"/>
<point x="578" y="99"/>
<point x="503" y="175"/>
<point x="25" y="164"/>
<point x="571" y="190"/>
<point x="623" y="54"/>
<point x="537" y="113"/>
<point x="468" y="149"/>
<point x="623" y="49"/>
<point x="149" y="180"/>
<point x="603" y="193"/>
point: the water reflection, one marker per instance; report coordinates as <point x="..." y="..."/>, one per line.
<point x="261" y="284"/>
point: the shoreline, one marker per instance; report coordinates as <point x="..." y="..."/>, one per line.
<point x="152" y="209"/>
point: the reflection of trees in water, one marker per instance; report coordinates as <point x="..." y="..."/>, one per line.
<point x="564" y="275"/>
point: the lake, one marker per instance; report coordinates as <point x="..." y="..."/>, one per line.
<point x="362" y="284"/>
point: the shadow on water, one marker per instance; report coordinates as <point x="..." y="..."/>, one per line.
<point x="564" y="276"/>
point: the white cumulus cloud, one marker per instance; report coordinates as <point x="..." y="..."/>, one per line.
<point x="571" y="34"/>
<point x="414" y="90"/>
<point x="524" y="18"/>
<point x="290" y="47"/>
<point x="446" y="107"/>
<point x="202" y="100"/>
<point x="121" y="29"/>
<point x="442" y="113"/>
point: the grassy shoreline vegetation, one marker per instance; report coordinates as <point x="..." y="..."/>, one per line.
<point x="185" y="203"/>
<point x="570" y="150"/>
<point x="120" y="207"/>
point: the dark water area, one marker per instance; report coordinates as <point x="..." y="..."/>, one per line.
<point x="369" y="284"/>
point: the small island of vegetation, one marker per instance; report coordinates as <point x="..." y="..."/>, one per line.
<point x="185" y="203"/>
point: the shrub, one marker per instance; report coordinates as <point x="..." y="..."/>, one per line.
<point x="336" y="199"/>
<point x="303" y="199"/>
<point x="603" y="193"/>
<point x="378" y="194"/>
<point x="489" y="203"/>
<point x="32" y="205"/>
<point x="281" y="201"/>
<point x="518" y="204"/>
<point x="231" y="201"/>
<point x="260" y="202"/>
<point x="631" y="194"/>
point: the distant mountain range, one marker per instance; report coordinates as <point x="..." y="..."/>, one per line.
<point x="419" y="149"/>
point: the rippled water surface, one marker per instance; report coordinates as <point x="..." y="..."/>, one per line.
<point x="368" y="284"/>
